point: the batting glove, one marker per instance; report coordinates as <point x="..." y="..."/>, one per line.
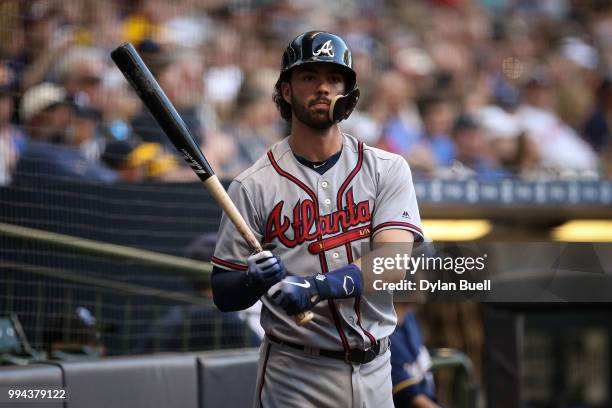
<point x="264" y="270"/>
<point x="297" y="294"/>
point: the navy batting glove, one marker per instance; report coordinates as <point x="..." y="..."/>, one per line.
<point x="264" y="270"/>
<point x="297" y="294"/>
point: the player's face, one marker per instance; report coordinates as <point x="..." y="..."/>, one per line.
<point x="311" y="90"/>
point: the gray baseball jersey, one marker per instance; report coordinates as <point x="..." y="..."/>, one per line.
<point x="318" y="222"/>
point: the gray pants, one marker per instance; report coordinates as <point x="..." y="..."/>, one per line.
<point x="292" y="378"/>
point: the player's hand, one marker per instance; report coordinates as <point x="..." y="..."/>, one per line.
<point x="264" y="270"/>
<point x="296" y="294"/>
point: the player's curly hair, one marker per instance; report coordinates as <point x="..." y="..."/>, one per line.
<point x="277" y="96"/>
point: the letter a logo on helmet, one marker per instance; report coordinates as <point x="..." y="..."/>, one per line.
<point x="326" y="49"/>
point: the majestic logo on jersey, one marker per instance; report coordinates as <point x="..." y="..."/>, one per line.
<point x="306" y="226"/>
<point x="326" y="49"/>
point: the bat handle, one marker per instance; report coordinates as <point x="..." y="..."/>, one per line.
<point x="303" y="318"/>
<point x="300" y="318"/>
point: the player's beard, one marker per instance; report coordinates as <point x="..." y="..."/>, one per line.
<point x="304" y="114"/>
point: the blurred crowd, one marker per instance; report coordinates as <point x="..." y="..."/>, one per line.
<point x="461" y="88"/>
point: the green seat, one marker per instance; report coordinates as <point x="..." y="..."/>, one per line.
<point x="14" y="347"/>
<point x="466" y="391"/>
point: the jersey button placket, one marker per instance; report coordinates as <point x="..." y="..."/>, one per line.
<point x="325" y="208"/>
<point x="325" y="200"/>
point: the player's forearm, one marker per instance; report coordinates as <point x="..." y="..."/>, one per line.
<point x="422" y="401"/>
<point x="353" y="280"/>
<point x="231" y="291"/>
<point x="387" y="244"/>
<point x="408" y="399"/>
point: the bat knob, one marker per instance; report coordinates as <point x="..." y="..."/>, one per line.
<point x="302" y="318"/>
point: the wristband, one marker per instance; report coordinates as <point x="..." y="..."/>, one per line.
<point x="340" y="283"/>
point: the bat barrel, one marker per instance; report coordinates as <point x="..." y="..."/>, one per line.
<point x="138" y="75"/>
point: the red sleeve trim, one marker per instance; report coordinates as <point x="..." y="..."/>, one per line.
<point x="401" y="225"/>
<point x="227" y="264"/>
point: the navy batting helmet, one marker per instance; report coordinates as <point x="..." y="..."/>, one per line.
<point x="320" y="46"/>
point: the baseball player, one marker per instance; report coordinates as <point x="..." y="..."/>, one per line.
<point x="413" y="385"/>
<point x="317" y="196"/>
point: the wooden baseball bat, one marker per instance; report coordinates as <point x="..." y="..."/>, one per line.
<point x="138" y="75"/>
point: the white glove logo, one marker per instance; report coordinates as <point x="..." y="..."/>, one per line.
<point x="304" y="284"/>
<point x="349" y="288"/>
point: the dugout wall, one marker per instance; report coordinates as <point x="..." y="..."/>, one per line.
<point x="203" y="380"/>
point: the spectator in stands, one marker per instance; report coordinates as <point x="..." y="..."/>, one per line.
<point x="413" y="385"/>
<point x="574" y="64"/>
<point x="76" y="336"/>
<point x="393" y="108"/>
<point x="146" y="20"/>
<point x="12" y="139"/>
<point x="197" y="328"/>
<point x="46" y="41"/>
<point x="125" y="158"/>
<point x="224" y="75"/>
<point x="80" y="72"/>
<point x="559" y="146"/>
<point x="136" y="162"/>
<point x="57" y="130"/>
<point x="435" y="147"/>
<point x="509" y="144"/>
<point x="473" y="150"/>
<point x="255" y="127"/>
<point x="466" y="53"/>
<point x="598" y="127"/>
<point x="169" y="67"/>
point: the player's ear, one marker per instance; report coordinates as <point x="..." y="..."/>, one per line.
<point x="286" y="92"/>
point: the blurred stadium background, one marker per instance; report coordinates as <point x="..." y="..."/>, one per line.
<point x="503" y="108"/>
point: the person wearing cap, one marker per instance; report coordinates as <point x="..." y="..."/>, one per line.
<point x="75" y="336"/>
<point x="57" y="129"/>
<point x="507" y="140"/>
<point x="135" y="161"/>
<point x="559" y="146"/>
<point x="170" y="68"/>
<point x="45" y="112"/>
